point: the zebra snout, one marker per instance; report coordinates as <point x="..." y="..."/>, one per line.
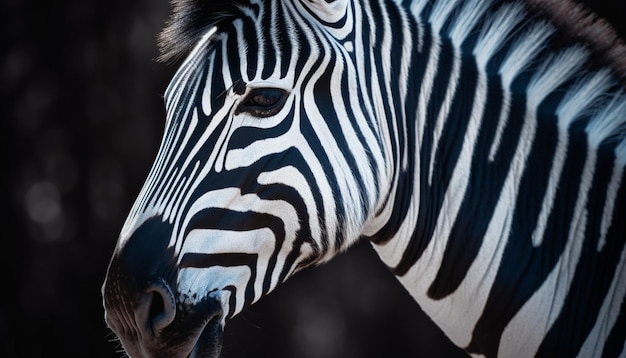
<point x="153" y="309"/>
<point x="144" y="307"/>
<point x="150" y="324"/>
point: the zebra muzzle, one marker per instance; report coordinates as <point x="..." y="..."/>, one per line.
<point x="152" y="324"/>
<point x="144" y="308"/>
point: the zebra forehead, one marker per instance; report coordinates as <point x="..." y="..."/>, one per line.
<point x="189" y="20"/>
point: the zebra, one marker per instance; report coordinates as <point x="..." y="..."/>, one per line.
<point x="479" y="146"/>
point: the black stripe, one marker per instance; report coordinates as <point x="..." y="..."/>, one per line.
<point x="252" y="44"/>
<point x="483" y="191"/>
<point x="197" y="260"/>
<point x="523" y="266"/>
<point x="268" y="28"/>
<point x="594" y="275"/>
<point x="284" y="44"/>
<point x="431" y="196"/>
<point x="233" y="259"/>
<point x="614" y="344"/>
<point x="232" y="302"/>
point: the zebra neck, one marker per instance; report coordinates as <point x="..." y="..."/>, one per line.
<point x="481" y="128"/>
<point x="429" y="210"/>
<point x="436" y="135"/>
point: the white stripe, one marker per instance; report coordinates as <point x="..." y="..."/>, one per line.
<point x="260" y="242"/>
<point x="207" y="93"/>
<point x="496" y="31"/>
<point x="611" y="198"/>
<point x="608" y="122"/>
<point x="519" y="57"/>
<point x="299" y="183"/>
<point x="459" y="331"/>
<point x="378" y="136"/>
<point x="607" y="316"/>
<point x="462" y="303"/>
<point x="444" y="111"/>
<point x="466" y="20"/>
<point x="440" y="13"/>
<point x="192" y="280"/>
<point x="576" y="102"/>
<point x="526" y="331"/>
<point x="553" y="72"/>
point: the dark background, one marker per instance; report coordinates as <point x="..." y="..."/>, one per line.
<point x="82" y="118"/>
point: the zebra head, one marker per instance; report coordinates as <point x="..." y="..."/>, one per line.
<point x="270" y="162"/>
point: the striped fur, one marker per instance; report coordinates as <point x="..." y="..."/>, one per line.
<point x="485" y="165"/>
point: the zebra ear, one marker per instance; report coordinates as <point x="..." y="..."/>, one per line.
<point x="328" y="11"/>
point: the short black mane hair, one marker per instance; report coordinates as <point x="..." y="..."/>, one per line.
<point x="189" y="20"/>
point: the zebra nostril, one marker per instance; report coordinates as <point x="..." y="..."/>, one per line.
<point x="157" y="308"/>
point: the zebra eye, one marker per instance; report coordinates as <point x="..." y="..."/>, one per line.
<point x="263" y="102"/>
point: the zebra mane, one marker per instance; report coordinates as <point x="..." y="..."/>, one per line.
<point x="564" y="48"/>
<point x="594" y="91"/>
<point x="579" y="23"/>
<point x="189" y="20"/>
